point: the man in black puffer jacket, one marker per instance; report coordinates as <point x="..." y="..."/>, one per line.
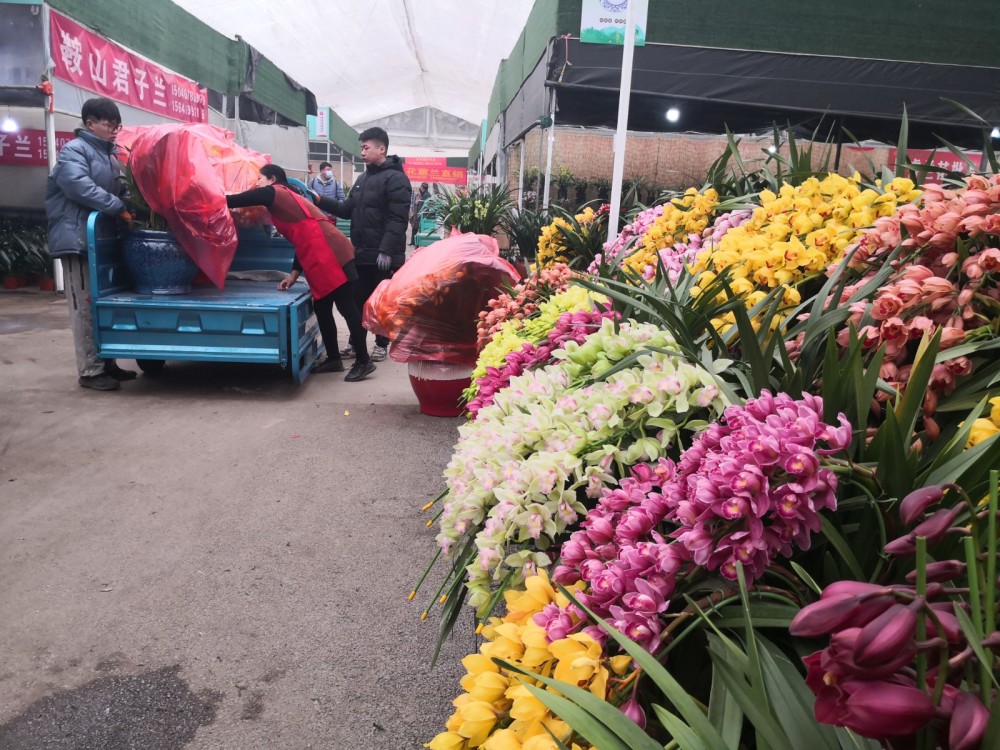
<point x="378" y="207"/>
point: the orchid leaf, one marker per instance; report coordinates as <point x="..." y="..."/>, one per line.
<point x="969" y="466"/>
<point x="807" y="579"/>
<point x="762" y="614"/>
<point x="724" y="712"/>
<point x="843" y="549"/>
<point x="769" y="732"/>
<point x="787" y="689"/>
<point x="600" y="722"/>
<point x="684" y="737"/>
<point x="686" y="706"/>
<point x="973" y="639"/>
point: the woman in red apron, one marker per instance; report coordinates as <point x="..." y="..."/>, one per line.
<point x="323" y="253"/>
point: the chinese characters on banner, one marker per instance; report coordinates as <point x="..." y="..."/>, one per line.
<point x="434" y="169"/>
<point x="27" y="148"/>
<point x="92" y="62"/>
<point x="941" y="157"/>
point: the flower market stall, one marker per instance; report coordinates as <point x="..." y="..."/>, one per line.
<point x="732" y="480"/>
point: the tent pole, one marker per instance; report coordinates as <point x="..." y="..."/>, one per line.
<point x="520" y="180"/>
<point x="236" y="116"/>
<point x="538" y="179"/>
<point x="552" y="141"/>
<point x="50" y="126"/>
<point x="621" y="134"/>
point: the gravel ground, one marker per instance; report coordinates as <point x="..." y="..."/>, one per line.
<point x="214" y="558"/>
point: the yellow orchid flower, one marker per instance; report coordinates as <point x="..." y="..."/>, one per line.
<point x="448" y="741"/>
<point x="478" y="719"/>
<point x="505" y="739"/>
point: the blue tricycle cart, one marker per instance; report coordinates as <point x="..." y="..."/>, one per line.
<point x="248" y="321"/>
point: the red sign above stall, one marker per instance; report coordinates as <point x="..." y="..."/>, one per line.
<point x="941" y="157"/>
<point x="27" y="148"/>
<point x="92" y="62"/>
<point x="434" y="169"/>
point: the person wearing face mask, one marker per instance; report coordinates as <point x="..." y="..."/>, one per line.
<point x="86" y="177"/>
<point x="325" y="184"/>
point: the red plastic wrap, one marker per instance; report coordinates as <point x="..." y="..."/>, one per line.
<point x="184" y="172"/>
<point x="429" y="308"/>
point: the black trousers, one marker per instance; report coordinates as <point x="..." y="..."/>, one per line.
<point x="344" y="297"/>
<point x="369" y="277"/>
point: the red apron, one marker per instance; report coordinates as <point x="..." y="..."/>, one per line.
<point x="293" y="217"/>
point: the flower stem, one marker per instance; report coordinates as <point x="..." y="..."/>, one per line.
<point x="424" y="576"/>
<point x="921" y="634"/>
<point x="991" y="572"/>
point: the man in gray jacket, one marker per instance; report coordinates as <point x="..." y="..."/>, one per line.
<point x="86" y="178"/>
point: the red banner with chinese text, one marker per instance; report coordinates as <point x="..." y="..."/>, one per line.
<point x="434" y="169"/>
<point x="27" y="148"/>
<point x="941" y="157"/>
<point x="92" y="62"/>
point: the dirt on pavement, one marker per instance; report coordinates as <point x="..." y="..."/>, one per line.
<point x="214" y="557"/>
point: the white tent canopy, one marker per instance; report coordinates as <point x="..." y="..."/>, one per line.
<point x="372" y="59"/>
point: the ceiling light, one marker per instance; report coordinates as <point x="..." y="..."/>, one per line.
<point x="9" y="125"/>
<point x="995" y="133"/>
<point x="673" y="114"/>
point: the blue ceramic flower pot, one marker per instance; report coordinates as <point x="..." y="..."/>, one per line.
<point x="158" y="263"/>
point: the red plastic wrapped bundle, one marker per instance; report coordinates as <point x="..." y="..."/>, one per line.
<point x="430" y="307"/>
<point x="184" y="172"/>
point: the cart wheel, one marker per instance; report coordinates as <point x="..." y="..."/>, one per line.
<point x="151" y="366"/>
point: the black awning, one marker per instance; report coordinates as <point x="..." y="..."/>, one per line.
<point x="748" y="91"/>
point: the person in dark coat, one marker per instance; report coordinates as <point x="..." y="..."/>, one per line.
<point x="326" y="256"/>
<point x="419" y="199"/>
<point x="86" y="178"/>
<point x="378" y="207"/>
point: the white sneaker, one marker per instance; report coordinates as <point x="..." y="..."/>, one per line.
<point x="379" y="353"/>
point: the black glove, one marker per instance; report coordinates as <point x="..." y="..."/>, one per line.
<point x="383" y="262"/>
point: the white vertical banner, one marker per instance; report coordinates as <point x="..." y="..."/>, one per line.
<point x="323" y="122"/>
<point x="604" y="21"/>
<point x="621" y="134"/>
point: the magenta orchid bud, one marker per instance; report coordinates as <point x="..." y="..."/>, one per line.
<point x="885" y="709"/>
<point x="902" y="546"/>
<point x="938" y="524"/>
<point x="949" y="627"/>
<point x="992" y="640"/>
<point x="852" y="588"/>
<point x="823" y="617"/>
<point x="945" y="570"/>
<point x="885" y="636"/>
<point x="918" y="501"/>
<point x="968" y="722"/>
<point x="633" y="710"/>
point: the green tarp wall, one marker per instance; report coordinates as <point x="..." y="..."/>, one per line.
<point x="174" y="38"/>
<point x="962" y="33"/>
<point x="343" y="135"/>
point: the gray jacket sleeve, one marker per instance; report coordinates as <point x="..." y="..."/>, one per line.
<point x="73" y="178"/>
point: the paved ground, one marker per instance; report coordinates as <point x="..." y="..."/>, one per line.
<point x="215" y="558"/>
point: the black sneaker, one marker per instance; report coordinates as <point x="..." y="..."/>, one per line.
<point x="119" y="374"/>
<point x="101" y="382"/>
<point x="360" y="371"/>
<point x="330" y="365"/>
